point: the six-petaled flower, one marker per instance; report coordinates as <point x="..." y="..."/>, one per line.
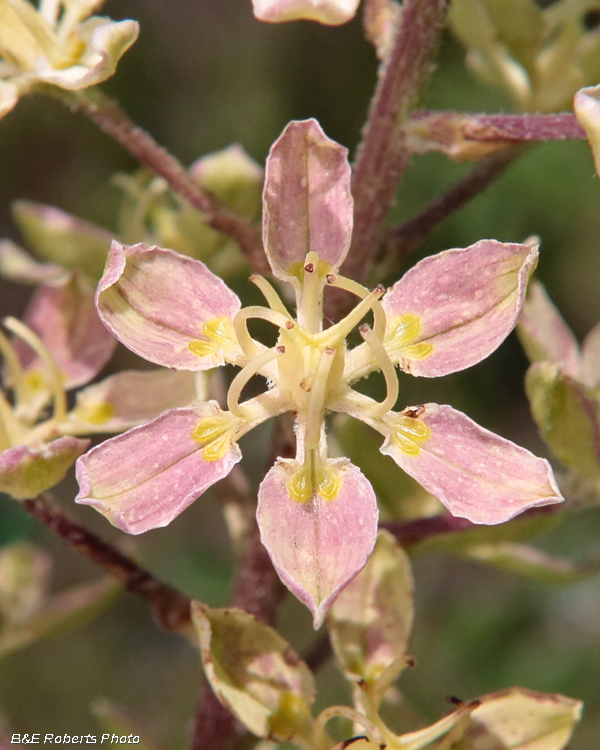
<point x="317" y="514"/>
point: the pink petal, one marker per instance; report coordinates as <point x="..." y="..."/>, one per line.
<point x="317" y="547"/>
<point x="307" y="199"/>
<point x="146" y="477"/>
<point x="590" y="358"/>
<point x="587" y="110"/>
<point x="130" y="398"/>
<point x="544" y="334"/>
<point x="332" y="12"/>
<point x="156" y="302"/>
<point x="27" y="470"/>
<point x="476" y="474"/>
<point x="64" y="316"/>
<point x="467" y="301"/>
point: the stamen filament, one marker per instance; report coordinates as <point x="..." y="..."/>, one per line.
<point x="347" y="713"/>
<point x="245" y="374"/>
<point x="240" y="325"/>
<point x="17" y="377"/>
<point x="316" y="402"/>
<point x="270" y="294"/>
<point x="348" y="285"/>
<point x="8" y="431"/>
<point x="58" y="392"/>
<point x="340" y="330"/>
<point x="387" y="368"/>
<point x="310" y="309"/>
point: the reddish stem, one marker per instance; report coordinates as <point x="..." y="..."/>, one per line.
<point x="383" y="156"/>
<point x="170" y="607"/>
<point x="108" y="114"/>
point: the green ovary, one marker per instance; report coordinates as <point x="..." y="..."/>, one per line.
<point x="409" y="434"/>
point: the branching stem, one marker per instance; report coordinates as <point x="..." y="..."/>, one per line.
<point x="108" y="114"/>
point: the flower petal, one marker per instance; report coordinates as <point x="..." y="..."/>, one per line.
<point x="27" y="470"/>
<point x="64" y="316"/>
<point x="130" y="398"/>
<point x="107" y="41"/>
<point x="567" y="417"/>
<point x="9" y="96"/>
<point x="61" y="238"/>
<point x="453" y="309"/>
<point x="318" y="546"/>
<point x="587" y="109"/>
<point x="17" y="265"/>
<point x="590" y="358"/>
<point x="307" y="199"/>
<point x="370" y="623"/>
<point x="157" y="302"/>
<point x="146" y="477"/>
<point x="544" y="334"/>
<point x="254" y="672"/>
<point x="331" y="12"/>
<point x="473" y="472"/>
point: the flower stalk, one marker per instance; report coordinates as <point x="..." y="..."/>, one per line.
<point x="111" y="118"/>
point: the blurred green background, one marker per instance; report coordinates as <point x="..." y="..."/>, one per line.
<point x="204" y="74"/>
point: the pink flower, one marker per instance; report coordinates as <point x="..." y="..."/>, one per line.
<point x="60" y="346"/>
<point x="317" y="515"/>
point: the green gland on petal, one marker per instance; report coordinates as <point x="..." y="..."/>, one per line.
<point x="314" y="477"/>
<point x="219" y="335"/>
<point x="409" y="432"/>
<point x="96" y="413"/>
<point x="215" y="435"/>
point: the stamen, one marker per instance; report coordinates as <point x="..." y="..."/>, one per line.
<point x="339" y="331"/>
<point x="58" y="392"/>
<point x="348" y="285"/>
<point x="49" y="10"/>
<point x="17" y="376"/>
<point x="347" y="713"/>
<point x="269" y="294"/>
<point x="387" y="368"/>
<point x="310" y="308"/>
<point x="317" y="399"/>
<point x="9" y="433"/>
<point x="244" y="375"/>
<point x="240" y="324"/>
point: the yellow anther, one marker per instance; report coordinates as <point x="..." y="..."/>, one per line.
<point x="219" y="334"/>
<point x="418" y="351"/>
<point x="406" y="330"/>
<point x="95" y="413"/>
<point x="34" y="380"/>
<point x="215" y="434"/>
<point x="312" y="478"/>
<point x="409" y="433"/>
<point x="217" y="448"/>
<point x="330" y="484"/>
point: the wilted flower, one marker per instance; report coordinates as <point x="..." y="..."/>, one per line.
<point x="59" y="43"/>
<point x="317" y="515"/>
<point x="61" y="345"/>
